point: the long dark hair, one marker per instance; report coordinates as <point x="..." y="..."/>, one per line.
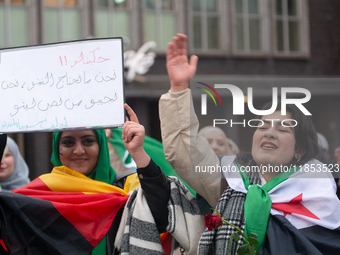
<point x="305" y="136"/>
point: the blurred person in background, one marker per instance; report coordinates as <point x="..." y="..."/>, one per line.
<point x="337" y="155"/>
<point x="218" y="141"/>
<point x="13" y="170"/>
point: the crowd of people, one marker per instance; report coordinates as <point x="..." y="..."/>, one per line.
<point x="93" y="202"/>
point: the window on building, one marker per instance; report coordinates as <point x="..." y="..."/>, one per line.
<point x="62" y="20"/>
<point x="113" y="18"/>
<point x="290" y="24"/>
<point x="248" y="17"/>
<point x="207" y="25"/>
<point x="14" y="29"/>
<point x="160" y="21"/>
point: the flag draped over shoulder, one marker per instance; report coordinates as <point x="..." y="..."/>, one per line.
<point x="303" y="209"/>
<point x="152" y="147"/>
<point x="63" y="212"/>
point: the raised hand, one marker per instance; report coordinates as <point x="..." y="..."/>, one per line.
<point x="179" y="68"/>
<point x="133" y="135"/>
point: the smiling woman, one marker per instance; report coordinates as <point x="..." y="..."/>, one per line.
<point x="79" y="150"/>
<point x="274" y="144"/>
<point x="279" y="142"/>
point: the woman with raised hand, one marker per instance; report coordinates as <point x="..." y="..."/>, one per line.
<point x="83" y="207"/>
<point x="13" y="170"/>
<point x="272" y="191"/>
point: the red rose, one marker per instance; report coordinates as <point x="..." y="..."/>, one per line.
<point x="213" y="221"/>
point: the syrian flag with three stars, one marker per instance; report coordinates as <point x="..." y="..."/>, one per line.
<point x="304" y="213"/>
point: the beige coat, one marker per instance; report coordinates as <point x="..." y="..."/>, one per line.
<point x="184" y="149"/>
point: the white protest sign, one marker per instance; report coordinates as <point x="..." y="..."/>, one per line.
<point x="60" y="86"/>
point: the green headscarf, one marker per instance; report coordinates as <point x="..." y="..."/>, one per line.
<point x="104" y="172"/>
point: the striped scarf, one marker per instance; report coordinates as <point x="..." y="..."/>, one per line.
<point x="231" y="208"/>
<point x="138" y="233"/>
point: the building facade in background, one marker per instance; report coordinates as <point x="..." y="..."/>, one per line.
<point x="247" y="43"/>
